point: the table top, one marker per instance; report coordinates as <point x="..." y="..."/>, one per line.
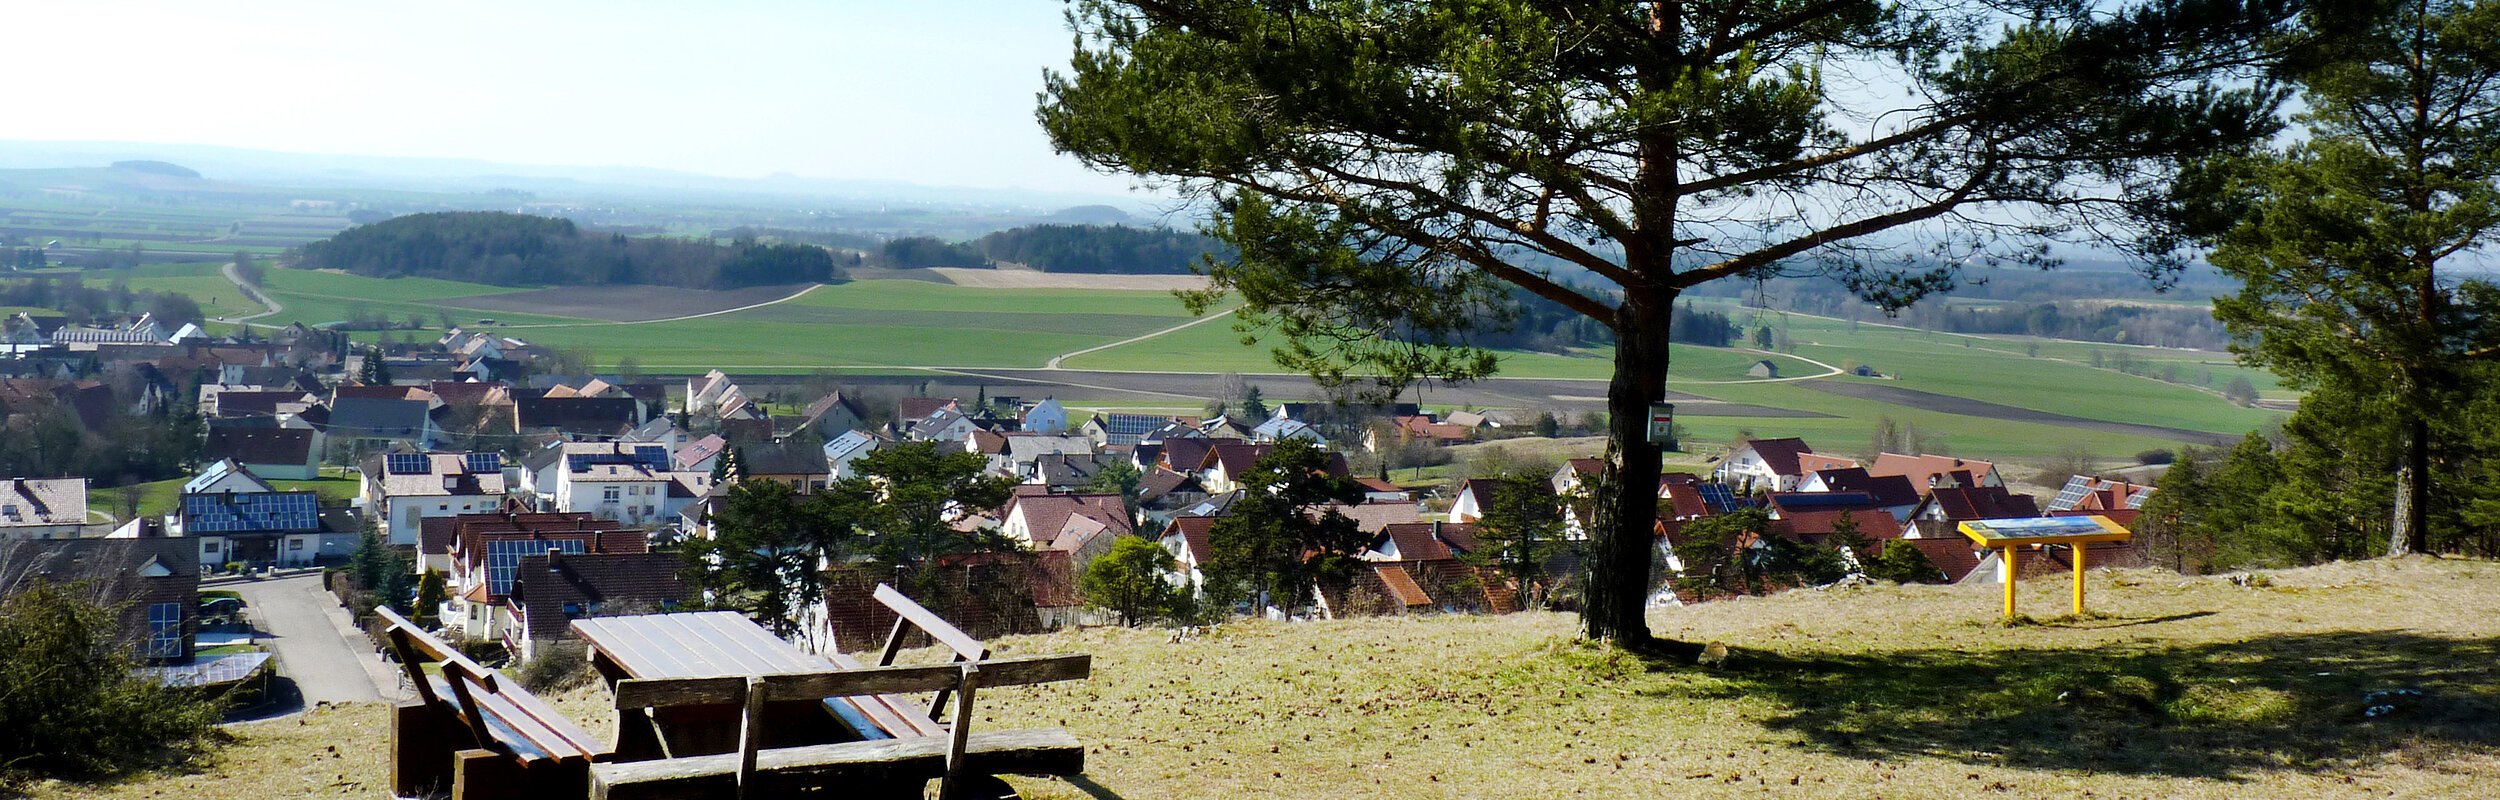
<point x="2044" y="530"/>
<point x="705" y="644"/>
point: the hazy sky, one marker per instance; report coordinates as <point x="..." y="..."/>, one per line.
<point x="929" y="91"/>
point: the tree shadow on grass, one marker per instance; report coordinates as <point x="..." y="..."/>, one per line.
<point x="2222" y="711"/>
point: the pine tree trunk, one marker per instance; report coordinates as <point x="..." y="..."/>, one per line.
<point x="2410" y="532"/>
<point x="1622" y="537"/>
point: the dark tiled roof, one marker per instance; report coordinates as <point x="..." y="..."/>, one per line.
<point x="1985" y="502"/>
<point x="1955" y="557"/>
<point x="592" y="416"/>
<point x="255" y="445"/>
<point x="604" y="584"/>
<point x="793" y="456"/>
<point x="370" y="418"/>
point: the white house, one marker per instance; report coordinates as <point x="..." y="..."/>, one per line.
<point x="1047" y="417"/>
<point x="1773" y="465"/>
<point x="402" y="489"/>
<point x="1474" y="496"/>
<point x="847" y="449"/>
<point x="627" y="482"/>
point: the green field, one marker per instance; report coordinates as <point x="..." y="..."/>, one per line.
<point x="889" y="325"/>
<point x="161" y="497"/>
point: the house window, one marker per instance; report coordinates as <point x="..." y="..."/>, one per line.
<point x="572" y="610"/>
<point x="164" y="630"/>
<point x="609" y="494"/>
<point x="442" y="506"/>
<point x="208" y="545"/>
<point x="295" y="544"/>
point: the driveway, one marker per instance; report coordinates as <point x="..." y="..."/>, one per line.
<point x="317" y="646"/>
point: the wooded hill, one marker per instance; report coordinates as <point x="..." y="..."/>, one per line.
<point x="521" y="250"/>
<point x="1113" y="249"/>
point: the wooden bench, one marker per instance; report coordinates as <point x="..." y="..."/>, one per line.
<point x="916" y="745"/>
<point x="474" y="731"/>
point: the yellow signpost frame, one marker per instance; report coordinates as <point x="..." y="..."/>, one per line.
<point x="2006" y="536"/>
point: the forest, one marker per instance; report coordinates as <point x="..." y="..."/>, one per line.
<point x="508" y="249"/>
<point x="1100" y="248"/>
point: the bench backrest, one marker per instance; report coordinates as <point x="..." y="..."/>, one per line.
<point x="971" y="669"/>
<point x="498" y="714"/>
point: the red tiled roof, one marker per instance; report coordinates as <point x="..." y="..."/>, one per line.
<point x="1402" y="586"/>
<point x="1923" y="471"/>
<point x="1586" y="467"/>
<point x="1046" y="515"/>
<point x="1186" y="454"/>
<point x="1956" y="556"/>
<point x="1193" y="532"/>
<point x="1816" y="462"/>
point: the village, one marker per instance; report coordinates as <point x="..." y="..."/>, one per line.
<point x="514" y="502"/>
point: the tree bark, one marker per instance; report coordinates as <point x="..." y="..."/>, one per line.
<point x="2410" y="532"/>
<point x="1622" y="537"/>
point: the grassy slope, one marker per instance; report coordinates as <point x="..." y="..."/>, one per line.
<point x="160" y="497"/>
<point x="2187" y="688"/>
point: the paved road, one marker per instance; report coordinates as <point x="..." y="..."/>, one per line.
<point x="315" y="643"/>
<point x="235" y="275"/>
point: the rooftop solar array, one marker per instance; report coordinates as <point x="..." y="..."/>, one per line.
<point x="407" y="463"/>
<point x="504" y="555"/>
<point x="2136" y="500"/>
<point x="250" y="512"/>
<point x="1718" y="497"/>
<point x="1806" y="500"/>
<point x="2072" y="495"/>
<point x="650" y="456"/>
<point x="209" y="670"/>
<point x="484" y="462"/>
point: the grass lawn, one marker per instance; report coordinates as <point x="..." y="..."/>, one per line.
<point x="2178" y="688"/>
<point x="158" y="498"/>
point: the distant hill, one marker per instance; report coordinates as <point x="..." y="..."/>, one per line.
<point x="1090" y="215"/>
<point x="157" y="168"/>
<point x="508" y="249"/>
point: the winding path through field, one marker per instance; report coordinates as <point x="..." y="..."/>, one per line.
<point x="1054" y="360"/>
<point x="748" y="307"/>
<point x="234" y="272"/>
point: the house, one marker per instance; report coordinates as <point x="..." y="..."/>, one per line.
<point x="1764" y="465"/>
<point x="2084" y="494"/>
<point x="1578" y="476"/>
<point x="401" y="489"/>
<point x="833" y="415"/>
<point x="577" y="417"/>
<point x="1418" y="567"/>
<point x="660" y="430"/>
<point x="1277" y="429"/>
<point x="1930" y="472"/>
<point x="1062" y="472"/>
<point x="620" y="481"/>
<point x="368" y="422"/>
<point x="154" y="580"/>
<point x="944" y="425"/>
<point x="1376" y="490"/>
<point x="1426" y="429"/>
<point x="235" y="517"/>
<point x="794" y="463"/>
<point x="701" y="454"/>
<point x="1080" y="524"/>
<point x="1047" y="418"/>
<point x="1948" y="506"/>
<point x="1123" y="429"/>
<point x="1187" y="541"/>
<point x="707" y="395"/>
<point x="551" y="589"/>
<point x="486" y="557"/>
<point x="1474" y="496"/>
<point x="1893" y="493"/>
<point x="1221" y="469"/>
<point x="276" y="453"/>
<point x="42" y="508"/>
<point x="1162" y="492"/>
<point x="1021" y="456"/>
<point x="1763" y="369"/>
<point x="843" y="453"/>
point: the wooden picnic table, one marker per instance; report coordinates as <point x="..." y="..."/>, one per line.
<point x="711" y="644"/>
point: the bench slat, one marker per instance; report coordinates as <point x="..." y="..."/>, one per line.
<point x="929" y="622"/>
<point x="1043" y="751"/>
<point x="1014" y="671"/>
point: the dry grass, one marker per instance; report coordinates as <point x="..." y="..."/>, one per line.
<point x="2179" y="687"/>
<point x="2185" y="688"/>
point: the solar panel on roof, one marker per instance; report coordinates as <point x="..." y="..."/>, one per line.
<point x="484" y="462"/>
<point x="406" y="464"/>
<point x="1717" y="497"/>
<point x="504" y="556"/>
<point x="2072" y="495"/>
<point x="2136" y="501"/>
<point x="240" y="512"/>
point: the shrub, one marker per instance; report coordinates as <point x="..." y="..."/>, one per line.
<point x="559" y="666"/>
<point x="2156" y="456"/>
<point x="74" y="707"/>
<point x="1901" y="562"/>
